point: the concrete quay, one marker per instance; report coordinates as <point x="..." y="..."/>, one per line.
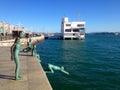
<point x="33" y="76"/>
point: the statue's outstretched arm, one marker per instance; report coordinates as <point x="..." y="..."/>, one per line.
<point x="62" y="70"/>
<point x="50" y="66"/>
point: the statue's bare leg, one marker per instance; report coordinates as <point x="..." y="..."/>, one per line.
<point x="17" y="69"/>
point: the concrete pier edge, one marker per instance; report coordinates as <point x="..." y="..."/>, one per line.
<point x="33" y="75"/>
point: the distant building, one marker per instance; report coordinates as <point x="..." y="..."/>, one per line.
<point x="72" y="30"/>
<point x="11" y="26"/>
<point x="20" y="28"/>
<point x="17" y="29"/>
<point x="7" y="29"/>
<point x="1" y="28"/>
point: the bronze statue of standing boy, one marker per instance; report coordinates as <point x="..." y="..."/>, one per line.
<point x="15" y="50"/>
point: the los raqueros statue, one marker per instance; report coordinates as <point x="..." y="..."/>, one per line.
<point x="15" y="50"/>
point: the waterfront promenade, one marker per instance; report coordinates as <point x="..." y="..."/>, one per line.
<point x="33" y="76"/>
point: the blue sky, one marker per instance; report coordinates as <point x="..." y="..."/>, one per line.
<point x="46" y="15"/>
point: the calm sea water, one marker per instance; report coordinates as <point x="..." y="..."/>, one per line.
<point x="93" y="64"/>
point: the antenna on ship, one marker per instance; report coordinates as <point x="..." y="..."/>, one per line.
<point x="78" y="16"/>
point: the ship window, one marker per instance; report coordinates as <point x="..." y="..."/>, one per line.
<point x="67" y="30"/>
<point x="80" y="25"/>
<point x="68" y="24"/>
<point x="75" y="30"/>
<point x="67" y="38"/>
<point x="82" y="28"/>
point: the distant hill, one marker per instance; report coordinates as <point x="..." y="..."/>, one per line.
<point x="104" y="33"/>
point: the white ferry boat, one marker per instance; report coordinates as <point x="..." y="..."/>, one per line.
<point x="72" y="30"/>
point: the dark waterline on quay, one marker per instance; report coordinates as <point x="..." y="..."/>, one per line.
<point x="93" y="63"/>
